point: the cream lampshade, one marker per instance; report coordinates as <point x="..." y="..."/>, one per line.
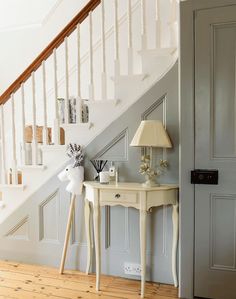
<point x="151" y="133"/>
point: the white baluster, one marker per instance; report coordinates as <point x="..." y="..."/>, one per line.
<point x="172" y="23"/>
<point x="103" y="75"/>
<point x="66" y="82"/>
<point x="56" y="125"/>
<point x="34" y="127"/>
<point x="130" y="41"/>
<point x="78" y="62"/>
<point x="116" y="42"/>
<point x="13" y="133"/>
<point x="143" y="25"/>
<point x="158" y="25"/>
<point x="91" y="86"/>
<point x="23" y="152"/>
<point x="78" y="100"/>
<point x="45" y="130"/>
<point x="3" y="150"/>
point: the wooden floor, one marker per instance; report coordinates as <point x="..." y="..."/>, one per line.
<point x="30" y="281"/>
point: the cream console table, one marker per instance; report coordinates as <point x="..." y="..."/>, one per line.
<point x="129" y="195"/>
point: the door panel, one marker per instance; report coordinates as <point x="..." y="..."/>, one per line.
<point x="223" y="91"/>
<point x="222" y="232"/>
<point x="215" y="148"/>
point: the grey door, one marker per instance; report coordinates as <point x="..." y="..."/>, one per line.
<point x="215" y="148"/>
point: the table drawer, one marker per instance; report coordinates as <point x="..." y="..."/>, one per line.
<point x="129" y="197"/>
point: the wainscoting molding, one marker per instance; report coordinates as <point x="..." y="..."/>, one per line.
<point x="49" y="218"/>
<point x="116" y="149"/>
<point x="20" y="231"/>
<point x="161" y="101"/>
<point x="77" y="222"/>
<point x="124" y="245"/>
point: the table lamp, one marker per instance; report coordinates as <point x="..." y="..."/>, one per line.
<point x="151" y="133"/>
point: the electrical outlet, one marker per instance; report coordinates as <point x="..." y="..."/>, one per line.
<point x="132" y="269"/>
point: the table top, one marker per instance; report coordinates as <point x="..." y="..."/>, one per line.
<point x="129" y="186"/>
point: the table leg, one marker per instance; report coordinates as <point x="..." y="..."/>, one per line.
<point x="175" y="221"/>
<point x="143" y="224"/>
<point x="97" y="237"/>
<point x="68" y="228"/>
<point x="88" y="234"/>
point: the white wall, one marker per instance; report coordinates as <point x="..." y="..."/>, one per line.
<point x="19" y="47"/>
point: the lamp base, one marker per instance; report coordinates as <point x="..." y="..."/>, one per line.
<point x="150" y="183"/>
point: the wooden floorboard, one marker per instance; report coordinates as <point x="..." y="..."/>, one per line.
<point x="23" y="281"/>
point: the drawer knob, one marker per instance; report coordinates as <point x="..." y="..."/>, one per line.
<point x="117" y="195"/>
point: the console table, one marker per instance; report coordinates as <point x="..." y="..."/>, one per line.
<point x="129" y="195"/>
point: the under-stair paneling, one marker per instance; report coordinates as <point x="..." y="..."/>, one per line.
<point x="35" y="231"/>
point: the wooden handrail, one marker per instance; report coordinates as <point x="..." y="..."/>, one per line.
<point x="57" y="41"/>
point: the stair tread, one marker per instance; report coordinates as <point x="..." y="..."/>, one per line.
<point x="33" y="167"/>
<point x="79" y="125"/>
<point x="12" y="186"/>
<point x="158" y="52"/>
<point x="54" y="147"/>
<point x="125" y="77"/>
<point x="107" y="101"/>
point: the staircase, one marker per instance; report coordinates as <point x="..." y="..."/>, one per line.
<point x="109" y="55"/>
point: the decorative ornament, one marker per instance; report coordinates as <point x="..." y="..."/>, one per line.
<point x="99" y="166"/>
<point x="149" y="172"/>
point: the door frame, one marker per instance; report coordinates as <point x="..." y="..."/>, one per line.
<point x="187" y="13"/>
